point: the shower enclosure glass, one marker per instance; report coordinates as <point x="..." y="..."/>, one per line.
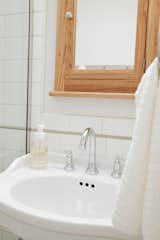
<point x="14" y="68"/>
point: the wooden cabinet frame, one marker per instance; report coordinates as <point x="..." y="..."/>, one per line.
<point x="103" y="83"/>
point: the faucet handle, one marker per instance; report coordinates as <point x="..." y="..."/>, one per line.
<point x="69" y="161"/>
<point x="117" y="168"/>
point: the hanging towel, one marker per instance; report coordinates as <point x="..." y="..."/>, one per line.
<point x="129" y="208"/>
<point x="151" y="209"/>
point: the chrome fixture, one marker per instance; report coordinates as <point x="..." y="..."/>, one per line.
<point x="118" y="167"/>
<point x="89" y="134"/>
<point x="69" y="162"/>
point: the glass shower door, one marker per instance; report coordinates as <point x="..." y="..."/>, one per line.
<point x="14" y="45"/>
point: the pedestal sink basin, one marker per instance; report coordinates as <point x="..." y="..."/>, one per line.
<point x="53" y="204"/>
<point x="65" y="197"/>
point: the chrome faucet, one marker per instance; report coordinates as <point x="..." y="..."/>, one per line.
<point x="89" y="134"/>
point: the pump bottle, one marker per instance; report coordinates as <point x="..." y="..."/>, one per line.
<point x="39" y="149"/>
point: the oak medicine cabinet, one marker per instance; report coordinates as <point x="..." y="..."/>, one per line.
<point x="104" y="46"/>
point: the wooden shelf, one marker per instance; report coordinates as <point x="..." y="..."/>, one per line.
<point x="93" y="95"/>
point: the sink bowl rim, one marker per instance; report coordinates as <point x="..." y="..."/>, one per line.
<point x="35" y="217"/>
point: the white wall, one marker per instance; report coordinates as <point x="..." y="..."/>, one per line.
<point x="66" y="118"/>
<point x="14" y="22"/>
<point x="14" y="18"/>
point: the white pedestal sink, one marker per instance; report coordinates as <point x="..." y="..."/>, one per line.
<point x="53" y="204"/>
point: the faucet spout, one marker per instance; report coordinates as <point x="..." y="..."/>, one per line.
<point x="90" y="135"/>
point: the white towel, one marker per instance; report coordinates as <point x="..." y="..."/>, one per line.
<point x="151" y="209"/>
<point x="129" y="208"/>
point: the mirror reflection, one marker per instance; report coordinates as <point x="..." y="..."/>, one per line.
<point x="106" y="34"/>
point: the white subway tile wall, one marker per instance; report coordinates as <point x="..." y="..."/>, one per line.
<point x="13" y="70"/>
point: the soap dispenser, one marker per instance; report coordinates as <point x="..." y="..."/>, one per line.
<point x="39" y="149"/>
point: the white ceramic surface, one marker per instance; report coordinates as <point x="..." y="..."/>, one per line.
<point x="51" y="204"/>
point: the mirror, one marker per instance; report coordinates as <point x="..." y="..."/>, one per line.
<point x="106" y="34"/>
<point x="104" y="46"/>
